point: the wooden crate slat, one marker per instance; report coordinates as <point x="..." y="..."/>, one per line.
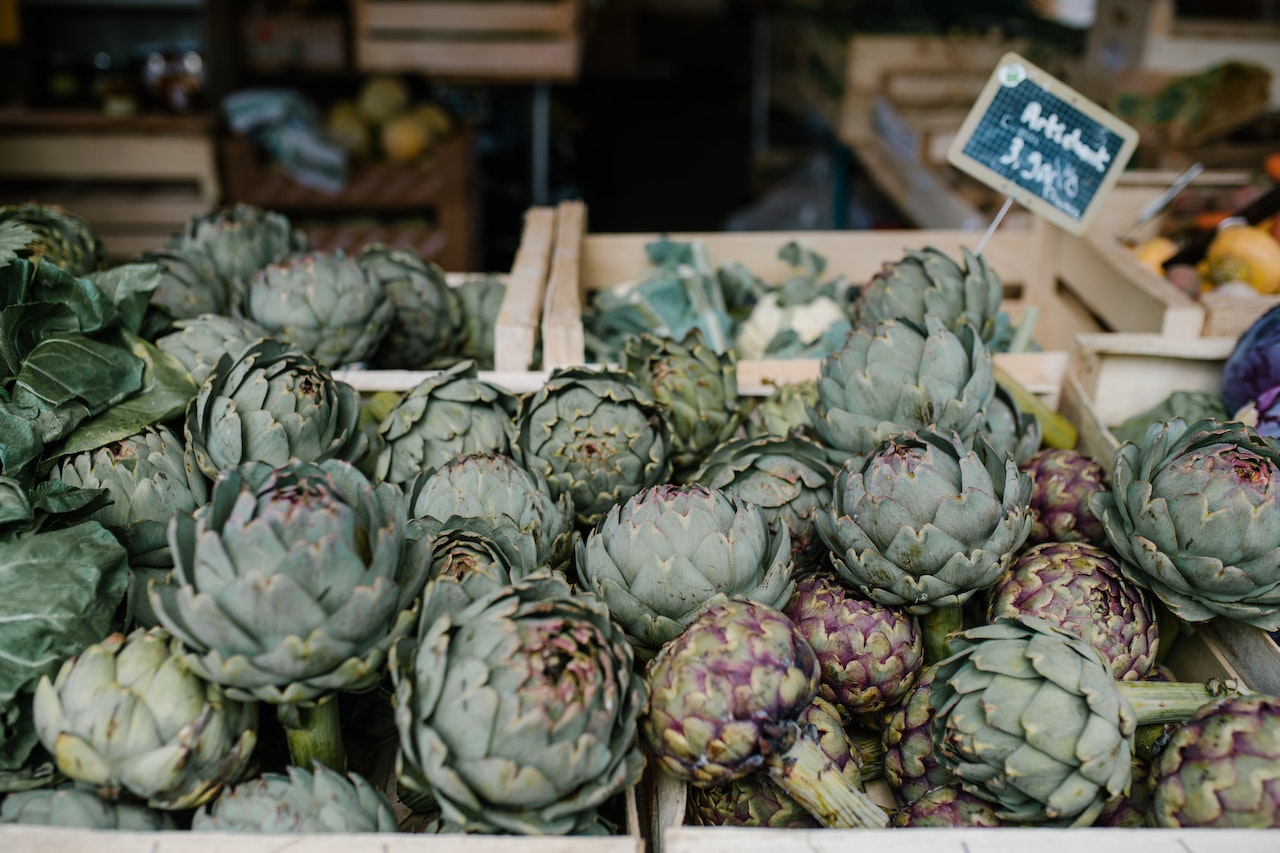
<point x="498" y="60"/>
<point x="116" y="157"/>
<point x="519" y="314"/>
<point x="562" y="333"/>
<point x="556" y="18"/>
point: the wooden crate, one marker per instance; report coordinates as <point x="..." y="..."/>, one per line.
<point x="137" y="179"/>
<point x="379" y="199"/>
<point x="515" y="41"/>
<point x="1111" y="238"/>
<point x="1074" y="289"/>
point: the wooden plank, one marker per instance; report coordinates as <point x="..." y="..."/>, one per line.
<point x="872" y="57"/>
<point x="563" y="340"/>
<point x="520" y="312"/>
<point x="499" y="60"/>
<point x="557" y="18"/>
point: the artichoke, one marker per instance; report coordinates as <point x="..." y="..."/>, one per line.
<point x="924" y="522"/>
<point x="323" y="303"/>
<point x="1221" y="768"/>
<point x="783" y="412"/>
<point x="898" y="377"/>
<point x="481" y="298"/>
<point x="271" y="404"/>
<point x="927" y="281"/>
<point x="291" y="584"/>
<point x="149" y="481"/>
<point x="197" y="343"/>
<point x="479" y="554"/>
<point x="868" y="653"/>
<point x="597" y="436"/>
<point x="304" y="801"/>
<point x="494" y="490"/>
<point x="658" y="558"/>
<point x="1028" y="716"/>
<point x="129" y="715"/>
<point x="1194" y="513"/>
<point x="240" y="240"/>
<point x="724" y="698"/>
<point x="60" y="237"/>
<point x="1082" y="589"/>
<point x="1062" y="482"/>
<point x="71" y="806"/>
<point x="189" y="284"/>
<point x="451" y="414"/>
<point x="518" y="710"/>
<point x="1009" y="429"/>
<point x="946" y="806"/>
<point x="694" y="385"/>
<point x="790" y="480"/>
<point x="912" y="767"/>
<point x="426" y="321"/>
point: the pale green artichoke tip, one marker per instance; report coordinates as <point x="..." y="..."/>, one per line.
<point x="304" y="801"/>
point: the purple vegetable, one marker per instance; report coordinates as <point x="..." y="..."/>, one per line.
<point x="1269" y="412"/>
<point x="1254" y="365"/>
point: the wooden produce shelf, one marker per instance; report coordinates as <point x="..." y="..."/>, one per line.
<point x="517" y="41"/>
<point x="136" y="179"/>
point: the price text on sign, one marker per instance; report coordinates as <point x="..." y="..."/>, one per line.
<point x="1031" y="137"/>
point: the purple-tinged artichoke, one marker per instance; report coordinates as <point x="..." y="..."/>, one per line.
<point x="789" y="478"/>
<point x="657" y="559"/>
<point x="518" y="710"/>
<point x="724" y="700"/>
<point x="1221" y="768"/>
<point x="1194" y="514"/>
<point x="911" y="764"/>
<point x="1082" y="589"/>
<point x="946" y="806"/>
<point x="868" y="653"/>
<point x="1061" y="482"/>
<point x="1029" y="717"/>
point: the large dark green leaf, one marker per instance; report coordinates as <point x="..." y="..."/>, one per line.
<point x="58" y="592"/>
<point x="130" y="287"/>
<point x="56" y="504"/>
<point x="22" y="327"/>
<point x="166" y="390"/>
<point x="23" y="281"/>
<point x="71" y="377"/>
<point x="20" y="444"/>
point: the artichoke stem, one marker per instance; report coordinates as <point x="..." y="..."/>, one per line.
<point x="937" y="626"/>
<point x="806" y="773"/>
<point x="314" y="735"/>
<point x="1169" y="702"/>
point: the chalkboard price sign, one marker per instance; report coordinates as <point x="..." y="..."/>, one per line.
<point x="1048" y="147"/>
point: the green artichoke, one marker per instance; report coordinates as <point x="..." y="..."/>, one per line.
<point x="480" y="297"/>
<point x="946" y="806"/>
<point x="293" y="582"/>
<point x="926" y="520"/>
<point x="240" y="240"/>
<point x="426" y="323"/>
<point x="1009" y="429"/>
<point x="789" y="478"/>
<point x="444" y="416"/>
<point x="1221" y="768"/>
<point x="495" y="490"/>
<point x="324" y="303"/>
<point x="304" y="801"/>
<point x="1194" y="513"/>
<point x="481" y="555"/>
<point x="1082" y="589"/>
<point x="597" y="436"/>
<point x="898" y="377"/>
<point x="1029" y="717"/>
<point x="694" y="385"/>
<point x="1062" y="481"/>
<point x="129" y="715"/>
<point x="927" y="281"/>
<point x="868" y="653"/>
<point x="783" y="412"/>
<point x="658" y="558"/>
<point x="61" y="237"/>
<point x="518" y="710"/>
<point x="724" y="698"/>
<point x="271" y="404"/>
<point x="197" y="343"/>
<point x="912" y="767"/>
<point x="71" y="806"/>
<point x="189" y="284"/>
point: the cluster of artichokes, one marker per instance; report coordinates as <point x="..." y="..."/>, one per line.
<point x="872" y="601"/>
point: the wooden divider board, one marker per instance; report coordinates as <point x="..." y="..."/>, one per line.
<point x="518" y="317"/>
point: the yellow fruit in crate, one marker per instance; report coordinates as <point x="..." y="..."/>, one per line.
<point x="347" y="127"/>
<point x="382" y="99"/>
<point x="404" y="139"/>
<point x="1155" y="252"/>
<point x="1245" y="253"/>
<point x="434" y="117"/>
